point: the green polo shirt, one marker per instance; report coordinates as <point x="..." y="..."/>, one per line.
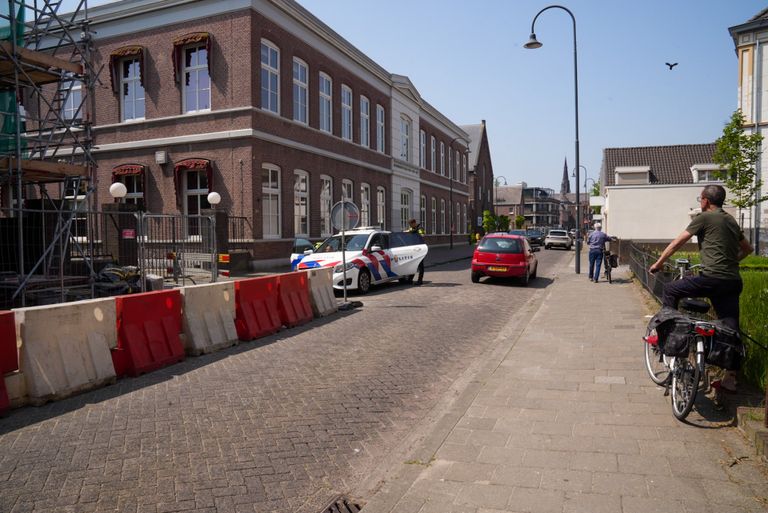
<point x="718" y="235"/>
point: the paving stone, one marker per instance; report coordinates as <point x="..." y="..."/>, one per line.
<point x="526" y="477"/>
<point x="593" y="461"/>
<point x="546" y="459"/>
<point x="613" y="483"/>
<point x="485" y="495"/>
<point x="567" y="480"/>
<point x="537" y="500"/>
<point x="591" y="503"/>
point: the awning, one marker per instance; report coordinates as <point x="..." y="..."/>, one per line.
<point x="118" y="55"/>
<point x="131" y="170"/>
<point x="189" y="39"/>
<point x="190" y="165"/>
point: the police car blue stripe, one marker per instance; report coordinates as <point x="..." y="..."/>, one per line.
<point x="374" y="272"/>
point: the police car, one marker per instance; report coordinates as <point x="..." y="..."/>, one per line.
<point x="373" y="256"/>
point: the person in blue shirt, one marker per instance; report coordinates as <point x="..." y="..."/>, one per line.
<point x="596" y="242"/>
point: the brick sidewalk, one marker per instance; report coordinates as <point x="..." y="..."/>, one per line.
<point x="567" y="420"/>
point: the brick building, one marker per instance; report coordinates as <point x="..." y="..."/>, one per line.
<point x="480" y="175"/>
<point x="266" y="105"/>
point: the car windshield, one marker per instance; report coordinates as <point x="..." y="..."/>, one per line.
<point x="534" y="233"/>
<point x="499" y="245"/>
<point x="558" y="233"/>
<point x="517" y="232"/>
<point x="352" y="243"/>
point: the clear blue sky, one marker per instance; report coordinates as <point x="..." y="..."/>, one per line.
<point x="467" y="59"/>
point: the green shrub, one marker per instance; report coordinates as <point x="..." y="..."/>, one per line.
<point x="754" y="322"/>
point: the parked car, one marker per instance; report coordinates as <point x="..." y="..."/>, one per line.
<point x="372" y="256"/>
<point x="300" y="246"/>
<point x="558" y="239"/>
<point x="535" y="237"/>
<point x="504" y="255"/>
<point x="521" y="233"/>
<point x="572" y="233"/>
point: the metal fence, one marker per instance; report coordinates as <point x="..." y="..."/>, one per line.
<point x="58" y="253"/>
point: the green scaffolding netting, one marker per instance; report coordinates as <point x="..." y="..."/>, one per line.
<point x="9" y="107"/>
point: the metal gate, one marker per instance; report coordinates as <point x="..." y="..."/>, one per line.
<point x="177" y="248"/>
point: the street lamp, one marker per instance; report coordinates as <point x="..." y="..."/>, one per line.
<point x="118" y="190"/>
<point x="450" y="184"/>
<point x="533" y="43"/>
<point x="496" y="183"/>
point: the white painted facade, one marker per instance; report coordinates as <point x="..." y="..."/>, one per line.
<point x="405" y="171"/>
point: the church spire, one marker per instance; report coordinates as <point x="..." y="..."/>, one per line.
<point x="565" y="185"/>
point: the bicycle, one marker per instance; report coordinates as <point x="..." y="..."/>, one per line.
<point x="608" y="257"/>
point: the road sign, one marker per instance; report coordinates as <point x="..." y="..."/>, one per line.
<point x="345" y="215"/>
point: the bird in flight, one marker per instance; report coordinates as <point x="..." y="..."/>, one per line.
<point x="671" y="65"/>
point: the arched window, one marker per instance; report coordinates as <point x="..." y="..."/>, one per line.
<point x="326" y="204"/>
<point x="346" y="112"/>
<point x="326" y="103"/>
<point x="270" y="201"/>
<point x="270" y="76"/>
<point x="381" y="207"/>
<point x="405" y="207"/>
<point x="365" y="204"/>
<point x="300" y="91"/>
<point x="365" y="122"/>
<point x="442" y="217"/>
<point x="300" y="203"/>
<point x="433" y="226"/>
<point x="423" y="212"/>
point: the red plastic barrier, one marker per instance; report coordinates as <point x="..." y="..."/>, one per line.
<point x="256" y="308"/>
<point x="148" y="328"/>
<point x="9" y="355"/>
<point x="295" y="308"/>
<point x="5" y="403"/>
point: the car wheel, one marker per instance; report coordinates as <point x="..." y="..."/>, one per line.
<point x="526" y="279"/>
<point x="406" y="279"/>
<point x="363" y="281"/>
<point x="476" y="277"/>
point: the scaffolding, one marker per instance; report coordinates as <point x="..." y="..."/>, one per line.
<point x="47" y="82"/>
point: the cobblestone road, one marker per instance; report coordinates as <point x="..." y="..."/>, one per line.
<point x="282" y="424"/>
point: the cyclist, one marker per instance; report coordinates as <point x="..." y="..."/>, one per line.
<point x="721" y="246"/>
<point x="596" y="242"/>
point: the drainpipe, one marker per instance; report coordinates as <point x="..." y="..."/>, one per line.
<point x="758" y="167"/>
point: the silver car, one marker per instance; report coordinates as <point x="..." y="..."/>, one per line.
<point x="558" y="239"/>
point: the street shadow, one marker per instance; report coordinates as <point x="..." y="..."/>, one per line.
<point x="536" y="283"/>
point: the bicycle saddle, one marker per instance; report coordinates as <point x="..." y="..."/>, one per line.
<point x="694" y="305"/>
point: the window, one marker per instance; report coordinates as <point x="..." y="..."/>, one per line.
<point x="300" y="91"/>
<point x="422" y="148"/>
<point x="705" y="173"/>
<point x="464" y="218"/>
<point x="457" y="166"/>
<point x="365" y="122"/>
<point x="433" y="149"/>
<point x="405" y="138"/>
<point x="197" y="82"/>
<point x="346" y="190"/>
<point x="270" y="201"/>
<point x="326" y="204"/>
<point x="464" y="167"/>
<point x="131" y="90"/>
<point x="457" y="226"/>
<point x="300" y="203"/>
<point x="380" y="132"/>
<point x="423" y="211"/>
<point x="346" y="112"/>
<point x="196" y="198"/>
<point x="135" y="186"/>
<point x="434" y="216"/>
<point x="442" y="158"/>
<point x="71" y="92"/>
<point x="405" y="208"/>
<point x="450" y="163"/>
<point x="442" y="216"/>
<point x="326" y="102"/>
<point x="365" y="204"/>
<point x="270" y="77"/>
<point x="381" y="207"/>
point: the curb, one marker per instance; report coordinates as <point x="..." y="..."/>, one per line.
<point x="750" y="423"/>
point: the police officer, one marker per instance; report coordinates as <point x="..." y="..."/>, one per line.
<point x="415" y="227"/>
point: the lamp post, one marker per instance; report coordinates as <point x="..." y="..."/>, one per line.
<point x="496" y="183"/>
<point x="450" y="185"/>
<point x="533" y="43"/>
<point x="118" y="190"/>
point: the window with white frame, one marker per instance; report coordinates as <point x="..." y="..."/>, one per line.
<point x="405" y="208"/>
<point x="405" y="138"/>
<point x="365" y="204"/>
<point x="457" y="166"/>
<point x="300" y="91"/>
<point x="422" y="148"/>
<point x="131" y="90"/>
<point x="197" y="82"/>
<point x="346" y="112"/>
<point x="433" y="150"/>
<point x="195" y="198"/>
<point x="442" y="216"/>
<point x="270" y="201"/>
<point x="270" y="77"/>
<point x="381" y="207"/>
<point x="464" y="167"/>
<point x="326" y="204"/>
<point x="433" y="227"/>
<point x="134" y="184"/>
<point x="71" y="93"/>
<point x="365" y="122"/>
<point x="380" y="129"/>
<point x="450" y="162"/>
<point x="442" y="158"/>
<point x="706" y="173"/>
<point x="423" y="211"/>
<point x="457" y="226"/>
<point x="326" y="103"/>
<point x="346" y="190"/>
<point x="464" y="218"/>
<point x="300" y="203"/>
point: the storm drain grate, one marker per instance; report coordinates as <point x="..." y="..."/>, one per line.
<point x="343" y="505"/>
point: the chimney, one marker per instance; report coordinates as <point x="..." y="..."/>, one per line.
<point x="483" y="122"/>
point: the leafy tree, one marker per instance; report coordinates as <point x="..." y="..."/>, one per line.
<point x="502" y="223"/>
<point x="519" y="221"/>
<point x="595" y="188"/>
<point x="489" y="221"/>
<point x="737" y="152"/>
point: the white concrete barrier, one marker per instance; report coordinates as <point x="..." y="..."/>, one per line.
<point x="65" y="348"/>
<point x="16" y="387"/>
<point x="208" y="313"/>
<point x="321" y="291"/>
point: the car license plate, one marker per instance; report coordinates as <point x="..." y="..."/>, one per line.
<point x="497" y="268"/>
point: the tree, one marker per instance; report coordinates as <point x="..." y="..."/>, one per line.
<point x="489" y="221"/>
<point x="502" y="223"/>
<point x="519" y="221"/>
<point x="595" y="188"/>
<point x="737" y="153"/>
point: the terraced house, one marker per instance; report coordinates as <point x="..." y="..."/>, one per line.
<point x="261" y="102"/>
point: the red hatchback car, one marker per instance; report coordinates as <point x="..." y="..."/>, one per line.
<point x="503" y="255"/>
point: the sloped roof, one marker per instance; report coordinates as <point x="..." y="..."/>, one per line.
<point x="669" y="164"/>
<point x="761" y="15"/>
<point x="475" y="133"/>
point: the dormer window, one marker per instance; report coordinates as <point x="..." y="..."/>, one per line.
<point x="632" y="175"/>
<point x="705" y="173"/>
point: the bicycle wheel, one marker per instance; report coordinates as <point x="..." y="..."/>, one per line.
<point x="657" y="368"/>
<point x="607" y="270"/>
<point x="685" y="385"/>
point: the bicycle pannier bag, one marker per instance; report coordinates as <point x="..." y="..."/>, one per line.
<point x="724" y="349"/>
<point x="674" y="337"/>
<point x="613" y="260"/>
